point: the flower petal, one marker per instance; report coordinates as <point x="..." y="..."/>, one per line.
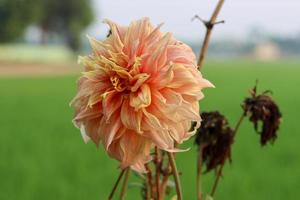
<point x="135" y="148"/>
<point x="131" y="118"/>
<point x="111" y="103"/>
<point x="141" y="98"/>
<point x="108" y="130"/>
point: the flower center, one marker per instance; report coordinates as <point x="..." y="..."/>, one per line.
<point x="119" y="84"/>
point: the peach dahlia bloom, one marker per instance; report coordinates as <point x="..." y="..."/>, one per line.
<point x="140" y="89"/>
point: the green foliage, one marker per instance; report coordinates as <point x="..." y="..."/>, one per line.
<point x="15" y="16"/>
<point x="65" y="17"/>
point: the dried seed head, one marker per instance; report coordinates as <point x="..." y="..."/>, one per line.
<point x="262" y="108"/>
<point x="214" y="138"/>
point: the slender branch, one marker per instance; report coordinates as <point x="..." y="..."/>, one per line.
<point x="125" y="184"/>
<point x="149" y="182"/>
<point x="166" y="174"/>
<point x="176" y="176"/>
<point x="237" y="126"/>
<point x="219" y="173"/>
<point x="199" y="172"/>
<point x="116" y="185"/>
<point x="164" y="186"/>
<point x="209" y="26"/>
<point x="158" y="167"/>
<point x="148" y="192"/>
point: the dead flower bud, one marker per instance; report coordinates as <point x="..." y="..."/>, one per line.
<point x="214" y="137"/>
<point x="262" y="108"/>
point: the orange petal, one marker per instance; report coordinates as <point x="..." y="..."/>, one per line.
<point x="131" y="119"/>
<point x="135" y="148"/>
<point x="111" y="103"/>
<point x="141" y="98"/>
<point x="108" y="130"/>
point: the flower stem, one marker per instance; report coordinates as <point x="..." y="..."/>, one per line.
<point x="158" y="167"/>
<point x="149" y="183"/>
<point x="116" y="185"/>
<point x="164" y="184"/>
<point x="237" y="126"/>
<point x="176" y="176"/>
<point x="125" y="183"/>
<point x="219" y="173"/>
<point x="199" y="173"/>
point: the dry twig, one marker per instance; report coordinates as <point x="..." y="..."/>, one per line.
<point x="209" y="25"/>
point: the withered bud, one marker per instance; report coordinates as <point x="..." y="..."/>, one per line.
<point x="214" y="138"/>
<point x="262" y="108"/>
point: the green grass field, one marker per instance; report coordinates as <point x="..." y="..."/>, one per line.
<point x="43" y="155"/>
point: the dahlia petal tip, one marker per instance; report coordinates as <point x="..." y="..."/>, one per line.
<point x="85" y="137"/>
<point x="176" y="150"/>
<point x="208" y="84"/>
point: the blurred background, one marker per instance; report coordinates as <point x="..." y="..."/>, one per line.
<point x="43" y="155"/>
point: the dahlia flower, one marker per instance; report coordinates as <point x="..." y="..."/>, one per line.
<point x="140" y="89"/>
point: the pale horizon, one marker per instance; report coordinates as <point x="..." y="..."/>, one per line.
<point x="269" y="16"/>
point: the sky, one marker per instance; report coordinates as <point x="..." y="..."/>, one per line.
<point x="241" y="16"/>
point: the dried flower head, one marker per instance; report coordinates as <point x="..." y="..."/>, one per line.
<point x="214" y="138"/>
<point x="262" y="108"/>
<point x="140" y="89"/>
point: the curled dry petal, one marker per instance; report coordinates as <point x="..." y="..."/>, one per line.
<point x="140" y="89"/>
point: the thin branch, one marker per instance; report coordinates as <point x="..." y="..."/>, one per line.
<point x="220" y="170"/>
<point x="199" y="173"/>
<point x="164" y="183"/>
<point x="176" y="176"/>
<point x="158" y="167"/>
<point x="125" y="184"/>
<point x="209" y="26"/>
<point x="116" y="185"/>
<point x="149" y="182"/>
<point x="164" y="186"/>
<point x="219" y="174"/>
<point x="237" y="126"/>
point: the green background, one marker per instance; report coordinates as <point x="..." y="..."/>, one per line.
<point x="43" y="156"/>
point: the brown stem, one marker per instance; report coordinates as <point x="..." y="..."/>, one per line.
<point x="237" y="126"/>
<point x="219" y="173"/>
<point x="176" y="176"/>
<point x="149" y="182"/>
<point x="158" y="167"/>
<point x="199" y="173"/>
<point x="125" y="183"/>
<point x="116" y="185"/>
<point x="209" y="26"/>
<point x="163" y="186"/>
<point x="148" y="192"/>
<point x="164" y="183"/>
